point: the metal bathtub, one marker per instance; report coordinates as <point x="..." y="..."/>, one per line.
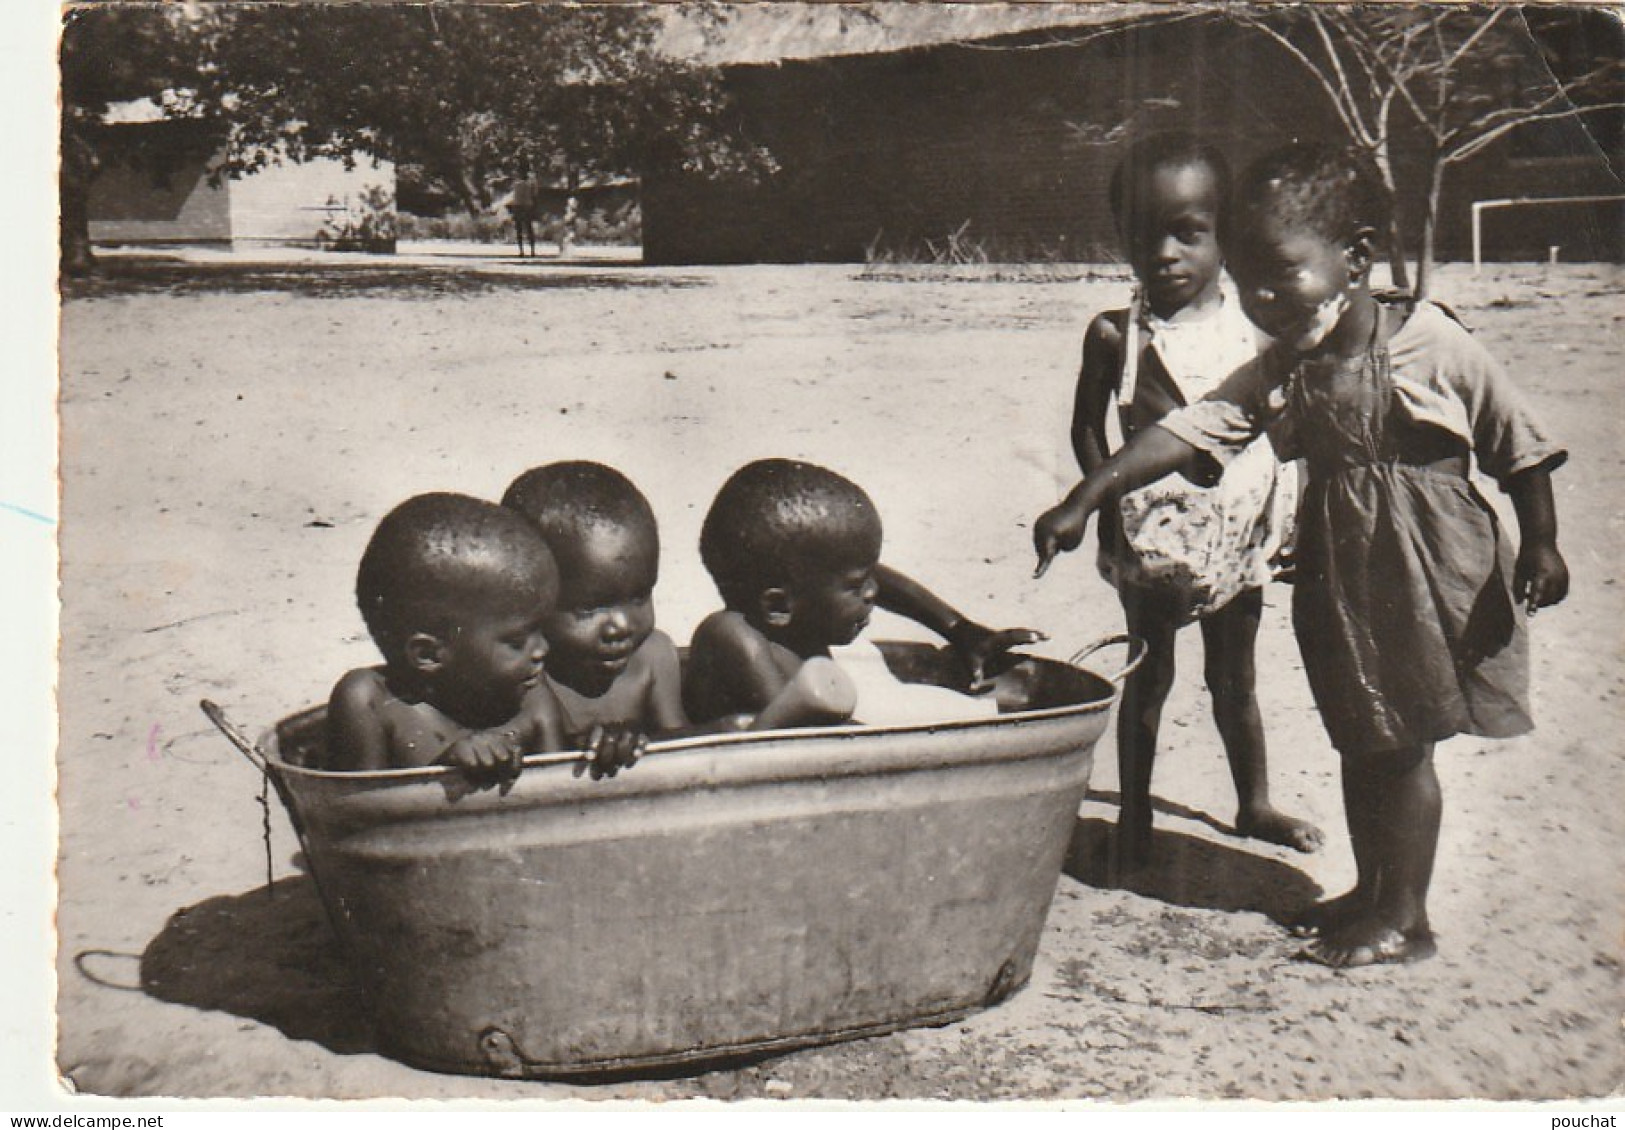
<point x="731" y="895"/>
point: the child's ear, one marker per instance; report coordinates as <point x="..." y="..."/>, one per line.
<point x="1361" y="251"/>
<point x="425" y="654"/>
<point x="778" y="607"/>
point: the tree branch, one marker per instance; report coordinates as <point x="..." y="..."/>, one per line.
<point x="1345" y="113"/>
<point x="1475" y="144"/>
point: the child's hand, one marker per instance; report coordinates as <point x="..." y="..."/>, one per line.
<point x="487" y="756"/>
<point x="611" y="749"/>
<point x="1057" y="529"/>
<point x="978" y="645"/>
<point x="1541" y="576"/>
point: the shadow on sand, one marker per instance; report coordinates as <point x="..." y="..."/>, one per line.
<point x="116" y="276"/>
<point x="266" y="955"/>
<point x="1192" y="872"/>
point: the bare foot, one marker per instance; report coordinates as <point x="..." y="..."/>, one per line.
<point x="1276" y="827"/>
<point x="1121" y="856"/>
<point x="1329" y="915"/>
<point x="1131" y="848"/>
<point x="1370" y="943"/>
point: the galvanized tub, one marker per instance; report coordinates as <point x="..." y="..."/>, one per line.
<point x="731" y="895"/>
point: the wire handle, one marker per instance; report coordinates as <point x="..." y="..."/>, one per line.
<point x="1137" y="649"/>
<point x="237" y="738"/>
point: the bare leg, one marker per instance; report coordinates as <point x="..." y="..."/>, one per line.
<point x="1336" y="913"/>
<point x="1394" y="805"/>
<point x="1139" y="718"/>
<point x="1228" y="638"/>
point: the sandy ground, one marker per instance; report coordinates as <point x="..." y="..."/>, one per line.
<point x="231" y="433"/>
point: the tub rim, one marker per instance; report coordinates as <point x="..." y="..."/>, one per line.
<point x="273" y="764"/>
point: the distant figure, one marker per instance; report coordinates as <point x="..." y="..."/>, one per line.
<point x="522" y="206"/>
<point x="567" y="228"/>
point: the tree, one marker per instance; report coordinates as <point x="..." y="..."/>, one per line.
<point x="110" y="54"/>
<point x="461" y="93"/>
<point x="1461" y="77"/>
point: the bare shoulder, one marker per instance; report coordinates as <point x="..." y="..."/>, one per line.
<point x="541" y="718"/>
<point x="1103" y="348"/>
<point x="358" y="735"/>
<point x="361" y="691"/>
<point x="658" y="655"/>
<point x="1106" y="329"/>
<point x="729" y="633"/>
<point x="658" y="648"/>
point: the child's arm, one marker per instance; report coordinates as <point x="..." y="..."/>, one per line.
<point x="976" y="644"/>
<point x="1541" y="576"/>
<point x="1097" y="383"/>
<point x="730" y="668"/>
<point x="496" y="755"/>
<point x="357" y="739"/>
<point x="820" y="694"/>
<point x="1149" y="456"/>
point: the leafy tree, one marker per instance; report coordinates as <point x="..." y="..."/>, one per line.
<point x="457" y="94"/>
<point x="1460" y="77"/>
<point x="110" y="54"/>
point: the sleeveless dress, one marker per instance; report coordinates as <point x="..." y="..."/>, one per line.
<point x="1404" y="608"/>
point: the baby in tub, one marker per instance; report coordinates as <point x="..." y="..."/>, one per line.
<point x="616" y="675"/>
<point x="794" y="550"/>
<point x="455" y="592"/>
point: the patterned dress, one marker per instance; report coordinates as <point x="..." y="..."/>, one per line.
<point x="1404" y="608"/>
<point x="1196" y="547"/>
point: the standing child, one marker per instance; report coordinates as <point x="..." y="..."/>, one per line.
<point x="1181" y="336"/>
<point x="1406" y="606"/>
<point x="454" y="592"/>
<point x="616" y="675"/>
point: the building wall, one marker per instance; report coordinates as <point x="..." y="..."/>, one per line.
<point x="306" y="203"/>
<point x="153" y="188"/>
<point x="1010" y="151"/>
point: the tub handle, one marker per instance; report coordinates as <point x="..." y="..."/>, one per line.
<point x="1136" y="654"/>
<point x="236" y="737"/>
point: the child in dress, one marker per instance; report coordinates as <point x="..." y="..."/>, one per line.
<point x="1407" y="597"/>
<point x="794" y="550"/>
<point x="455" y="592"/>
<point x="616" y="675"/>
<point x="1182" y="335"/>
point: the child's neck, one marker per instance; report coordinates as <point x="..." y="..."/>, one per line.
<point x="1199" y="307"/>
<point x="412" y="688"/>
<point x="785" y="637"/>
<point x="1354" y="331"/>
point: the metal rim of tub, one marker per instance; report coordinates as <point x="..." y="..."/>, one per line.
<point x="272" y="766"/>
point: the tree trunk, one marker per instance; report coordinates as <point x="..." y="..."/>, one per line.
<point x="1397" y="268"/>
<point x="1430" y="221"/>
<point x="78" y="169"/>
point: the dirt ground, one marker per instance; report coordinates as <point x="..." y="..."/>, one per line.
<point x="231" y="432"/>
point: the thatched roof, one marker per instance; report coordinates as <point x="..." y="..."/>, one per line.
<point x="786" y="29"/>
